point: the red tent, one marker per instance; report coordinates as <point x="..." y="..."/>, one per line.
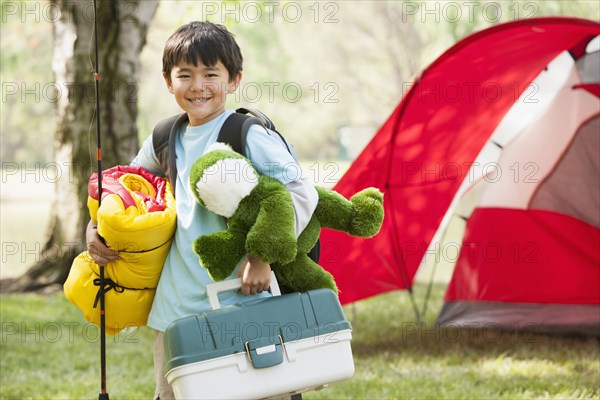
<point x="423" y="153"/>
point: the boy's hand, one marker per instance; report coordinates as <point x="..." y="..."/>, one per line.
<point x="256" y="276"/>
<point x="96" y="248"/>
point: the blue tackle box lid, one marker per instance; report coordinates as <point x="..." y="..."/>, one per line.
<point x="253" y="324"/>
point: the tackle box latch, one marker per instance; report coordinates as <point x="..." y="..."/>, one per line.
<point x="265" y="352"/>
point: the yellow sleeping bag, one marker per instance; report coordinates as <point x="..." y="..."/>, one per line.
<point x="137" y="218"/>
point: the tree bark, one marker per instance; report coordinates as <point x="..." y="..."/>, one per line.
<point x="122" y="29"/>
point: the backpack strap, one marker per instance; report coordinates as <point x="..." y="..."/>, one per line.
<point x="266" y="122"/>
<point x="163" y="141"/>
<point x="235" y="129"/>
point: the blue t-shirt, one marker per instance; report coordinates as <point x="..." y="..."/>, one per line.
<point x="181" y="290"/>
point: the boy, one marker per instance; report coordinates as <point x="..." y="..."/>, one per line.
<point x="202" y="64"/>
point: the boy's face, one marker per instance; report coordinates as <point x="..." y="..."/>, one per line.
<point x="201" y="90"/>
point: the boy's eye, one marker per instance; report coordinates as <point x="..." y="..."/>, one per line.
<point x="211" y="75"/>
<point x="183" y="76"/>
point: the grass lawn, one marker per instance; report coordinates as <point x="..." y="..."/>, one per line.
<point x="48" y="351"/>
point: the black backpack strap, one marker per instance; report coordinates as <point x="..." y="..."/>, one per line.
<point x="163" y="141"/>
<point x="266" y="122"/>
<point x="230" y="133"/>
<point x="235" y="130"/>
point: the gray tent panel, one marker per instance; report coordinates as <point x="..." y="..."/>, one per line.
<point x="580" y="319"/>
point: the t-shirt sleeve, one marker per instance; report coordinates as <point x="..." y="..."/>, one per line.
<point x="270" y="156"/>
<point x="147" y="159"/>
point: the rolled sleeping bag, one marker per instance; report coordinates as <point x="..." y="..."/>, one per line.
<point x="137" y="218"/>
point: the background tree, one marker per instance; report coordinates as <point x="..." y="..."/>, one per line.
<point x="122" y="29"/>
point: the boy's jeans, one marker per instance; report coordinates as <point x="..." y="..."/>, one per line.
<point x="163" y="389"/>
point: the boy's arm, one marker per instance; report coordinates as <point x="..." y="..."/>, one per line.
<point x="147" y="159"/>
<point x="270" y="157"/>
<point x="305" y="199"/>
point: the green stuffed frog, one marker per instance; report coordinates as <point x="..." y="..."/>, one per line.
<point x="260" y="220"/>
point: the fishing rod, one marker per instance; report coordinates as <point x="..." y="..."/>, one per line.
<point x="103" y="393"/>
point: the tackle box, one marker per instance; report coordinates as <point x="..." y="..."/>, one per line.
<point x="266" y="347"/>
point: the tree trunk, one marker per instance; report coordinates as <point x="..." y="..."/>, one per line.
<point x="122" y="29"/>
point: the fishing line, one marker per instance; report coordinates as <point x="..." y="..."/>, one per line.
<point x="90" y="151"/>
<point x="92" y="70"/>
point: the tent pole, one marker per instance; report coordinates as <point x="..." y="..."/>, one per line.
<point x="428" y="291"/>
<point x="414" y="304"/>
<point x="408" y="286"/>
<point x="388" y="193"/>
<point x="433" y="271"/>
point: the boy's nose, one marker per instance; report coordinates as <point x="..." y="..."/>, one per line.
<point x="200" y="85"/>
<point x="196" y="85"/>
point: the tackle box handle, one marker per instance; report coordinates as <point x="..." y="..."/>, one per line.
<point x="213" y="289"/>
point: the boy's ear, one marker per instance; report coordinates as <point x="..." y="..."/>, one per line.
<point x="235" y="82"/>
<point x="167" y="79"/>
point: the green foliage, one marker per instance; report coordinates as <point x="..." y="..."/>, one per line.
<point x="311" y="66"/>
<point x="48" y="351"/>
<point x="28" y="90"/>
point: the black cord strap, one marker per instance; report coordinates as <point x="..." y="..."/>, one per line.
<point x="109" y="285"/>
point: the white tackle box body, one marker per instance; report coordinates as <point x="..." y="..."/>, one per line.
<point x="262" y="348"/>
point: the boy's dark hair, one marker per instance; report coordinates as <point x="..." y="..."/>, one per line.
<point x="205" y="42"/>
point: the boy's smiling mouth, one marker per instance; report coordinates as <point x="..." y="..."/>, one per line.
<point x="199" y="100"/>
